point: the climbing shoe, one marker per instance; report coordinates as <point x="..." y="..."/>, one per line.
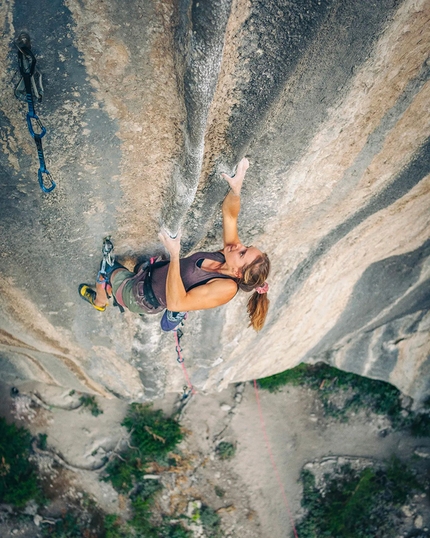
<point x="171" y="320"/>
<point x="89" y="295"/>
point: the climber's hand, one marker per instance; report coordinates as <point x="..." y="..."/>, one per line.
<point x="236" y="181"/>
<point x="172" y="244"/>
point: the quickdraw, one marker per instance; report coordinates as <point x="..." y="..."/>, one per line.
<point x="178" y="335"/>
<point x="29" y="84"/>
<point x="108" y="256"/>
<point x="106" y="265"/>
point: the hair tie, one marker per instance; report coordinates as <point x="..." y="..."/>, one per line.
<point x="262" y="289"/>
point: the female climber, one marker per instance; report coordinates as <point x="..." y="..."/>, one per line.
<point x="200" y="281"/>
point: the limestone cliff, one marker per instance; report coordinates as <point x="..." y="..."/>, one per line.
<point x="145" y="103"/>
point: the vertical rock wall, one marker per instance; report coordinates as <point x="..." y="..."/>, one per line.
<point x="145" y="104"/>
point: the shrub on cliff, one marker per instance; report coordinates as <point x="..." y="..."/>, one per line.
<point x="152" y="435"/>
<point x="18" y="475"/>
<point x="359" y="392"/>
<point x="356" y="504"/>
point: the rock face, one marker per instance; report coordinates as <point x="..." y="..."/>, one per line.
<point x="145" y="104"/>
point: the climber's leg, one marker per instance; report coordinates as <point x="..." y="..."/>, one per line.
<point x="101" y="298"/>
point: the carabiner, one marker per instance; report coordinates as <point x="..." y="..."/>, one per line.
<point x="35" y="117"/>
<point x="179" y="358"/>
<point x="108" y="256"/>
<point x="40" y="173"/>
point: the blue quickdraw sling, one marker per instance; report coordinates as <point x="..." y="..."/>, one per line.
<point x="27" y="68"/>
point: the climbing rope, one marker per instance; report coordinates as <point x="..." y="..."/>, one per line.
<point x="28" y="85"/>
<point x="272" y="460"/>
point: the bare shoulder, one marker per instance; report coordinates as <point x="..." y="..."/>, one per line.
<point x="214" y="293"/>
<point x="227" y="284"/>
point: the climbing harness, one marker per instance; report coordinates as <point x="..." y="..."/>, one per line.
<point x="180" y="358"/>
<point x="176" y="319"/>
<point x="272" y="460"/>
<point x="31" y="84"/>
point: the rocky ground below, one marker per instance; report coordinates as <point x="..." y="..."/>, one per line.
<point x="253" y="499"/>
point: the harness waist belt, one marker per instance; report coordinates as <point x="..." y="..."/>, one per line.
<point x="142" y="289"/>
<point x="148" y="292"/>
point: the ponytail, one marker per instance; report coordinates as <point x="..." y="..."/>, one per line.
<point x="258" y="305"/>
<point x="254" y="276"/>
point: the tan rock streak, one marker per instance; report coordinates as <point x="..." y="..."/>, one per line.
<point x="29" y="364"/>
<point x="226" y="93"/>
<point x="409" y="133"/>
<point x="138" y="88"/>
<point x="397" y="59"/>
<point x="39" y="334"/>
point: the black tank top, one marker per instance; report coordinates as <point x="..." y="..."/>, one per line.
<point x="192" y="275"/>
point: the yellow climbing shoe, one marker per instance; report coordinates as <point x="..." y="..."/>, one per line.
<point x="89" y="295"/>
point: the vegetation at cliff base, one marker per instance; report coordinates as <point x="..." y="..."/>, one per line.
<point x="18" y="475"/>
<point x="89" y="402"/>
<point x="360" y="393"/>
<point x="225" y="450"/>
<point x="356" y="504"/>
<point x="211" y="522"/>
<point x="152" y="436"/>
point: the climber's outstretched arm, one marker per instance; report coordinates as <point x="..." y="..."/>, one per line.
<point x="231" y="204"/>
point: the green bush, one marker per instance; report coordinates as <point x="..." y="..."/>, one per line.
<point x="90" y="403"/>
<point x="152" y="433"/>
<point x="175" y="530"/>
<point x="18" y="476"/>
<point x="122" y="473"/>
<point x="70" y="525"/>
<point x="420" y="425"/>
<point x="219" y="492"/>
<point x="114" y="527"/>
<point x="303" y="374"/>
<point x="225" y="450"/>
<point x="142" y="515"/>
<point x="211" y="522"/>
<point x="152" y="436"/>
<point x="356" y="504"/>
<point x="42" y="441"/>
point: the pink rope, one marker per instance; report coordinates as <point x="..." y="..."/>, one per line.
<point x="272" y="460"/>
